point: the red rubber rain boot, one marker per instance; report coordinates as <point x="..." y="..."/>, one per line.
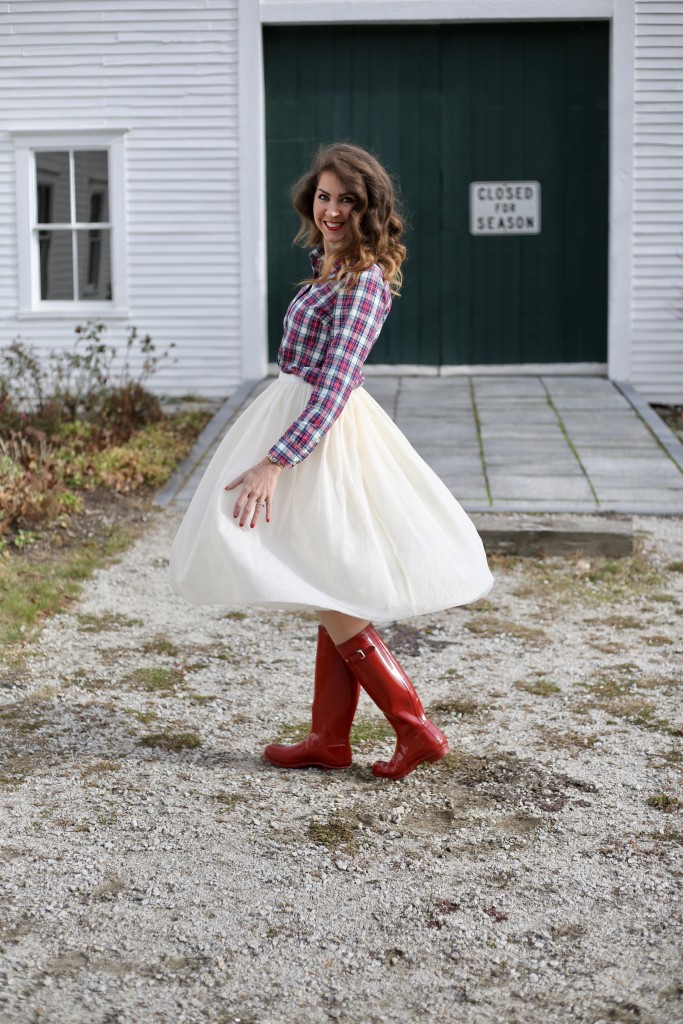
<point x="385" y="682"/>
<point x="335" y="699"/>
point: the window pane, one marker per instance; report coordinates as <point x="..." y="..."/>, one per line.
<point x="94" y="264"/>
<point x="92" y="186"/>
<point x="52" y="178"/>
<point x="56" y="265"/>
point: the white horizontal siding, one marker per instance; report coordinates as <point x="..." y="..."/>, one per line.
<point x="168" y="73"/>
<point x="657" y="281"/>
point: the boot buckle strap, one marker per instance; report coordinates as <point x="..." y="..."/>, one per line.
<point x="360" y="654"/>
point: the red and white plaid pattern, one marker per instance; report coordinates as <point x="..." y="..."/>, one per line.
<point x="328" y="334"/>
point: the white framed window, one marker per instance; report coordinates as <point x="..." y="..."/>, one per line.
<point x="71" y="223"/>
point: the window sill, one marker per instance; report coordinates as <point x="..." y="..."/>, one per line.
<point x="77" y="313"/>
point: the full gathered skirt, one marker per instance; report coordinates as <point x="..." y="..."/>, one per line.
<point x="361" y="526"/>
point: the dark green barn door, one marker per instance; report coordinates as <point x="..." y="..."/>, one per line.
<point x="444" y="106"/>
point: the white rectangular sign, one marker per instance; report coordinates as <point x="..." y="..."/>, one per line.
<point x="505" y="208"/>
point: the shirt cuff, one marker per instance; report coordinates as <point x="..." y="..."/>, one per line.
<point x="282" y="460"/>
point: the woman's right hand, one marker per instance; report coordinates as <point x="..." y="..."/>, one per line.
<point x="258" y="488"/>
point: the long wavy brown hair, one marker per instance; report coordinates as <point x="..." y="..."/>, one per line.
<point x="375" y="226"/>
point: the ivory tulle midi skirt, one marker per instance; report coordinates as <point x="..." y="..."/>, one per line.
<point x="361" y="526"/>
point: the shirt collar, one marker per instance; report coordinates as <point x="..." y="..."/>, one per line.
<point x="317" y="256"/>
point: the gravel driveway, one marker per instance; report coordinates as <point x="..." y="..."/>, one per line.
<point x="156" y="869"/>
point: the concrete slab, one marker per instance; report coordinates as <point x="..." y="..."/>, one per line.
<point x="522" y="429"/>
<point x="539" y="415"/>
<point x="539" y="487"/>
<point x="434" y="386"/>
<point x="527" y="450"/>
<point x="618" y="426"/>
<point x="464" y="492"/>
<point x="570" y="402"/>
<point x="442" y="462"/>
<point x="424" y="408"/>
<point x="651" y="495"/>
<point x="448" y="435"/>
<point x="526" y="505"/>
<point x="608" y="441"/>
<point x="504" y="399"/>
<point x="519" y="385"/>
<point x="437" y="423"/>
<point x="582" y="384"/>
<point x="534" y="468"/>
<point x="638" y="477"/>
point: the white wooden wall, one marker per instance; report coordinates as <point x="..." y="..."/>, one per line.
<point x="657" y="276"/>
<point x="168" y="72"/>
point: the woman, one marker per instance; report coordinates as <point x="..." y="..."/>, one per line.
<point x="361" y="528"/>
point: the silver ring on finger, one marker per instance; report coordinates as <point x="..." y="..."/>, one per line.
<point x="260" y="504"/>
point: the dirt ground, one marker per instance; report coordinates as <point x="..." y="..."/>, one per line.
<point x="155" y="868"/>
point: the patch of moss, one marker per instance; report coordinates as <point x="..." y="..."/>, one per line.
<point x="590" y="583"/>
<point x="13" y="721"/>
<point x="229" y="800"/>
<point x="606" y="646"/>
<point x="143" y="716"/>
<point x="161" y="645"/>
<point x="333" y="833"/>
<point x="105" y="622"/>
<point x="675" y="566"/>
<point x="606" y="571"/>
<point x="237" y="616"/>
<point x="458" y="707"/>
<point x="452" y="675"/>
<point x="504" y="563"/>
<point x="172" y="741"/>
<point x="639" y="712"/>
<point x="628" y="668"/>
<point x="155" y="678"/>
<point x="201" y="698"/>
<point x="608" y="687"/>
<point x="486" y="625"/>
<point x="370" y="731"/>
<point x="669" y="835"/>
<point x="540" y="687"/>
<point x="623" y="622"/>
<point x="101" y="768"/>
<point x="568" y="740"/>
<point x="294" y="733"/>
<point x="664" y="802"/>
<point x="366" y="732"/>
<point x="660" y="682"/>
<point x="21" y="718"/>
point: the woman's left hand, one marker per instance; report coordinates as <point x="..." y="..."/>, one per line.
<point x="258" y="488"/>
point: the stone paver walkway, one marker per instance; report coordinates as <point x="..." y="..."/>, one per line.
<point x="513" y="444"/>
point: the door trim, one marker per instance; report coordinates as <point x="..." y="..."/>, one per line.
<point x="303" y="12"/>
<point x="475" y="370"/>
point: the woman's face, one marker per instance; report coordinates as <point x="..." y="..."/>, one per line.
<point x="332" y="205"/>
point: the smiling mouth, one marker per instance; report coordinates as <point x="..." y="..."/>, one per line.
<point x="333" y="226"/>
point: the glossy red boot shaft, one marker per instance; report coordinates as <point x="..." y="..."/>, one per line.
<point x="386" y="683"/>
<point x="335" y="699"/>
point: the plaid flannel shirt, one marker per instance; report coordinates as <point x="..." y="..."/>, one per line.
<point x="328" y="334"/>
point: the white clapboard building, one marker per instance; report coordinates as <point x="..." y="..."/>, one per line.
<point x="146" y="147"/>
